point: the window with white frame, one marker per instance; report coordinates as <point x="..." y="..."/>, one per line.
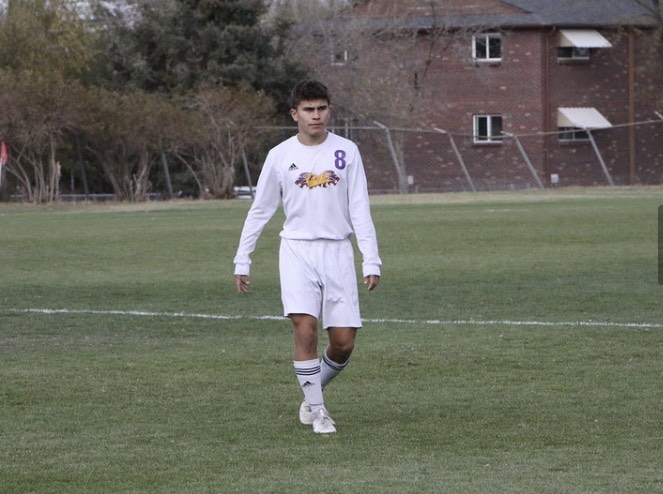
<point x="572" y="134"/>
<point x="487" y="47"/>
<point x="487" y="129"/>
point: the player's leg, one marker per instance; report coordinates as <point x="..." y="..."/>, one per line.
<point x="301" y="295"/>
<point x="340" y="309"/>
<point x="341" y="344"/>
<point x="307" y="368"/>
<point x="336" y="356"/>
<point x="305" y="359"/>
<point x="305" y="332"/>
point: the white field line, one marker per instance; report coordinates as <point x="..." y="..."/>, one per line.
<point x="435" y="322"/>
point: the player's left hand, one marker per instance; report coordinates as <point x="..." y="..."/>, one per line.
<point x="242" y="283"/>
<point x="371" y="281"/>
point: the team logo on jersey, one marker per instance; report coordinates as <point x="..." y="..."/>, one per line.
<point x="324" y="180"/>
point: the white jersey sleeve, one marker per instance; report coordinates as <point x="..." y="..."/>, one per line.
<point x="265" y="203"/>
<point x="362" y="221"/>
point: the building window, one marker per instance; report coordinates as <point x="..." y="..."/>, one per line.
<point x="339" y="57"/>
<point x="572" y="53"/>
<point x="577" y="44"/>
<point x="572" y="134"/>
<point x="487" y="47"/>
<point x="487" y="129"/>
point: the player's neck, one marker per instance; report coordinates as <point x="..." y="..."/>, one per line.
<point x="312" y="139"/>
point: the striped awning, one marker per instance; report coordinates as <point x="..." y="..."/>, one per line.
<point x="582" y="118"/>
<point x="583" y="38"/>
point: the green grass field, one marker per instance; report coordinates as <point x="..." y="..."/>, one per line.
<point x="513" y="346"/>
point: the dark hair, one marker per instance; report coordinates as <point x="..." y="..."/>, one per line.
<point x="308" y="89"/>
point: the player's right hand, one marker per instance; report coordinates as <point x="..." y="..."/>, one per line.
<point x="242" y="283"/>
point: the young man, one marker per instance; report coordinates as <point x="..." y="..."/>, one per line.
<point x="320" y="178"/>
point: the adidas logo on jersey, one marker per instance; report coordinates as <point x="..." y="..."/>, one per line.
<point x="293" y="167"/>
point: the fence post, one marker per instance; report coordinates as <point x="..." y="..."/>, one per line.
<point x="526" y="158"/>
<point x="247" y="172"/>
<point x="458" y="156"/>
<point x="402" y="179"/>
<point x="166" y="174"/>
<point x="600" y="157"/>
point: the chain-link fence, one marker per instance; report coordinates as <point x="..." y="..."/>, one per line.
<point x="436" y="160"/>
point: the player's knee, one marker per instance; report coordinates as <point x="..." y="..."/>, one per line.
<point x="341" y="349"/>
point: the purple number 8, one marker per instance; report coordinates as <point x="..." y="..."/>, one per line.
<point x="340" y="163"/>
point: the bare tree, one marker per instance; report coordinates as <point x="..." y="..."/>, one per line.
<point x="44" y="48"/>
<point x="377" y="64"/>
<point x="221" y="137"/>
<point x="38" y="117"/>
<point x="127" y="136"/>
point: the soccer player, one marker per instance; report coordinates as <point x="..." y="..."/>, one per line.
<point x="319" y="176"/>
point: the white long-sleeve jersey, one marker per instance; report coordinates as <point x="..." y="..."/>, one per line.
<point x="324" y="194"/>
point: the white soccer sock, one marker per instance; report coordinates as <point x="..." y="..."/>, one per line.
<point x="329" y="369"/>
<point x="308" y="375"/>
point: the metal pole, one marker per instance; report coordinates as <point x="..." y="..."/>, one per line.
<point x="81" y="165"/>
<point x="247" y="172"/>
<point x="632" y="166"/>
<point x="458" y="156"/>
<point x="166" y="173"/>
<point x="527" y="160"/>
<point x="402" y="179"/>
<point x="2" y="170"/>
<point x="598" y="155"/>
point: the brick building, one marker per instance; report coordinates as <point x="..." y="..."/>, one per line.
<point x="504" y="93"/>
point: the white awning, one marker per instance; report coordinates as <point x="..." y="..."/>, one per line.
<point x="582" y="118"/>
<point x="583" y="38"/>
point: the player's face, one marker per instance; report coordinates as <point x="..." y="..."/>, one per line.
<point x="312" y="117"/>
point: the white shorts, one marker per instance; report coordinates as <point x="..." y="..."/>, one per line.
<point x="318" y="278"/>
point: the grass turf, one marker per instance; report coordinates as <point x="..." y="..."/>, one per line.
<point x="513" y="346"/>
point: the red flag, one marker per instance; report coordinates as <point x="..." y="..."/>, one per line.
<point x="3" y="154"/>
